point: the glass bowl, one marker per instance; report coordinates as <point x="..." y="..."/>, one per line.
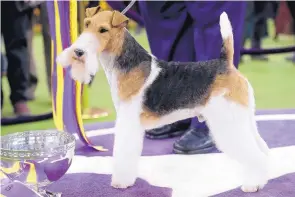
<point x="37" y="158"/>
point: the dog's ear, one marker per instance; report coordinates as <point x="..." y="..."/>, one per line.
<point x="119" y="20"/>
<point x="91" y="11"/>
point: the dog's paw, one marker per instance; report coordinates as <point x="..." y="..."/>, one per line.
<point x="255" y="178"/>
<point x="251" y="189"/>
<point x="254" y="186"/>
<point x="122" y="184"/>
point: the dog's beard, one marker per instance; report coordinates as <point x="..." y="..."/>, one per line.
<point x="82" y="68"/>
<point x="91" y="63"/>
<point x="65" y="58"/>
<point x="84" y="71"/>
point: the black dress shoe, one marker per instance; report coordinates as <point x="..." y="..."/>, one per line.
<point x="194" y="141"/>
<point x="169" y="131"/>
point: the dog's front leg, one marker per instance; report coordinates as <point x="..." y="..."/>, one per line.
<point x="128" y="145"/>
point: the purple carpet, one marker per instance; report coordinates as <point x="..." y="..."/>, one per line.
<point x="98" y="185"/>
<point x="276" y="134"/>
<point x="283" y="186"/>
<point x="271" y="132"/>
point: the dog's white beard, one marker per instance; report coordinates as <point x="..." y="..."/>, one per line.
<point x="82" y="72"/>
<point x="65" y="58"/>
<point x="91" y="62"/>
<point x="79" y="73"/>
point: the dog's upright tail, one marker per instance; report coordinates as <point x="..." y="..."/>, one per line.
<point x="227" y="51"/>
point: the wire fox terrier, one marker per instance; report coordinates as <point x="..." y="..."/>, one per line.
<point x="148" y="93"/>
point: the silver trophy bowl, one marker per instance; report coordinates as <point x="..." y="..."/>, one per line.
<point x="37" y="158"/>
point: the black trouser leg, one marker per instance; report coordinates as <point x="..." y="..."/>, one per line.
<point x="32" y="62"/>
<point x="47" y="42"/>
<point x="259" y="7"/>
<point x="14" y="26"/>
<point x="291" y="5"/>
<point x="3" y="69"/>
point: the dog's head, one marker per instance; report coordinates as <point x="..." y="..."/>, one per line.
<point x="103" y="31"/>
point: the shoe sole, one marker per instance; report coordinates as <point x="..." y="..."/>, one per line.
<point x="164" y="136"/>
<point x="194" y="152"/>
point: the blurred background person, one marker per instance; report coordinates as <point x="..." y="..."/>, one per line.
<point x="285" y="22"/>
<point x="3" y="73"/>
<point x="15" y="23"/>
<point x="260" y="30"/>
<point x="256" y="27"/>
<point x="291" y="6"/>
<point x="33" y="77"/>
<point x="178" y="31"/>
<point x="46" y="41"/>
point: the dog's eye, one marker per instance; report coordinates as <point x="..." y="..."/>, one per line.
<point x="102" y="30"/>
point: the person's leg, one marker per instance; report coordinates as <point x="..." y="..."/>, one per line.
<point x="208" y="43"/>
<point x="170" y="32"/>
<point x="33" y="69"/>
<point x="14" y="27"/>
<point x="260" y="28"/>
<point x="47" y="42"/>
<point x="3" y="65"/>
<point x="291" y="6"/>
<point x="3" y="73"/>
<point x="169" y="40"/>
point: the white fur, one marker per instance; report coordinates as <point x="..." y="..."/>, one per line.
<point x="234" y="130"/>
<point x="261" y="143"/>
<point x="128" y="145"/>
<point x="107" y="62"/>
<point x="174" y="116"/>
<point x="64" y="59"/>
<point x="225" y="26"/>
<point x="81" y="71"/>
<point x="233" y="126"/>
<point x="129" y="134"/>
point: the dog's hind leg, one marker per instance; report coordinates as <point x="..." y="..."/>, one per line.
<point x="232" y="129"/>
<point x="261" y="143"/>
<point x="128" y="145"/>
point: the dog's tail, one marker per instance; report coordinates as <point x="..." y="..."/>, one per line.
<point x="227" y="51"/>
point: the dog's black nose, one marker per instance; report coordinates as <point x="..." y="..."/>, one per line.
<point x="79" y="52"/>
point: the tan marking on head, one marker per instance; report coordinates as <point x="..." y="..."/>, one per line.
<point x="235" y="84"/>
<point x="148" y="118"/>
<point x="130" y="83"/>
<point x="92" y="11"/>
<point x="108" y="27"/>
<point x="119" y="19"/>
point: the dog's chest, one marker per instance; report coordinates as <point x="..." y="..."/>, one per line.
<point x="107" y="63"/>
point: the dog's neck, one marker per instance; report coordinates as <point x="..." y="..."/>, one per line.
<point x="132" y="55"/>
